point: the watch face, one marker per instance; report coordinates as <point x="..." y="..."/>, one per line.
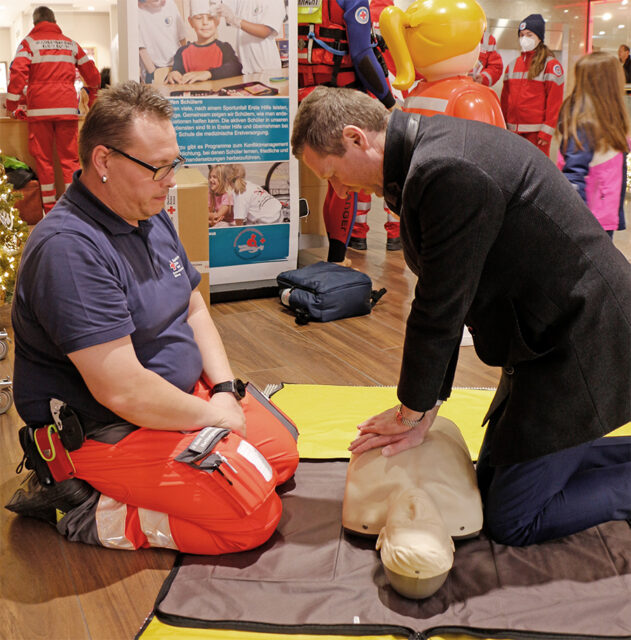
<point x="239" y="387"/>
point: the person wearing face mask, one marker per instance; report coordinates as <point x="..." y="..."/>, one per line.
<point x="533" y="86"/>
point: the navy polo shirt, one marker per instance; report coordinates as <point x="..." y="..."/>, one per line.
<point x="87" y="277"/>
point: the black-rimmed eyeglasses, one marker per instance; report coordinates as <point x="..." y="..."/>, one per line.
<point x="159" y="173"/>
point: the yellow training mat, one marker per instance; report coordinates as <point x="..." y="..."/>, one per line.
<point x="327" y="416"/>
<point x="156" y="630"/>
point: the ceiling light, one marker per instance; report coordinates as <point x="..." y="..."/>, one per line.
<point x="606" y="16"/>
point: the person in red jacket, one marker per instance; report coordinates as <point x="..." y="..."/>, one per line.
<point x="45" y="64"/>
<point x="533" y="86"/>
<point x="490" y="66"/>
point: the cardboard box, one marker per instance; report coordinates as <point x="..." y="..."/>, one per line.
<point x="189" y="213"/>
<point x="314" y="191"/>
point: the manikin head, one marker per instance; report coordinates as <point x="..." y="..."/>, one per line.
<point x="417" y="502"/>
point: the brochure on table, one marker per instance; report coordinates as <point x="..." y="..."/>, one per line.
<point x="234" y="130"/>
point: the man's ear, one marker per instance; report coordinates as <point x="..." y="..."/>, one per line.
<point x="354" y="136"/>
<point x="100" y="154"/>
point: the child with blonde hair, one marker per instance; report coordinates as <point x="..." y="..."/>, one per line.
<point x="219" y="195"/>
<point x="252" y="203"/>
<point x="593" y="129"/>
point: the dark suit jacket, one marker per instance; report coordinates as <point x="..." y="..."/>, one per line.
<point x="502" y="242"/>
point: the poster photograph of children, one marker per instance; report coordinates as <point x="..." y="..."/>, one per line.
<point x="248" y="194"/>
<point x="219" y="47"/>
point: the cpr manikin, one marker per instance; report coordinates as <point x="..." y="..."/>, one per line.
<point x="416" y="502"/>
<point x="440" y="39"/>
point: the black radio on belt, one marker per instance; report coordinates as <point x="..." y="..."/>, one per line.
<point x="70" y="430"/>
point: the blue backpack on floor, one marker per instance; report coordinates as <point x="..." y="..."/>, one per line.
<point x="326" y="291"/>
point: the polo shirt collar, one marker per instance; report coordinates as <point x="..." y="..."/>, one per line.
<point x="89" y="204"/>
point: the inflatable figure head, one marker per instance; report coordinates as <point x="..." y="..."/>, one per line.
<point x="431" y="32"/>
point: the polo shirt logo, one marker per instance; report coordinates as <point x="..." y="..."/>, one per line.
<point x="176" y="266"/>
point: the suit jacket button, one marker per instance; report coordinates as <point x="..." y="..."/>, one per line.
<point x="509" y="371"/>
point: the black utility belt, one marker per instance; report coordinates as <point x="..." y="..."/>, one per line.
<point x="47" y="447"/>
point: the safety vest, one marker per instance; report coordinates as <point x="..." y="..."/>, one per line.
<point x="457" y="96"/>
<point x="323" y="49"/>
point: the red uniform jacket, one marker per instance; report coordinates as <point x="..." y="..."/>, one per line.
<point x="531" y="106"/>
<point x="45" y="63"/>
<point x="490" y="63"/>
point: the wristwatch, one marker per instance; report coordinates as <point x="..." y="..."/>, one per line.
<point x="236" y="387"/>
<point x="408" y="422"/>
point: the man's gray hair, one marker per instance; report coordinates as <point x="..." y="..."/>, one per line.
<point x="325" y="112"/>
<point x="111" y="117"/>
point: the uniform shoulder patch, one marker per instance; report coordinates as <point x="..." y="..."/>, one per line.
<point x="557" y="69"/>
<point x="362" y="15"/>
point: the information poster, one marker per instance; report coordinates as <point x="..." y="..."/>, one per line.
<point x="227" y="68"/>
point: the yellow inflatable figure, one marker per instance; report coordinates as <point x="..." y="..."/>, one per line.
<point x="440" y="39"/>
<point x="417" y="502"/>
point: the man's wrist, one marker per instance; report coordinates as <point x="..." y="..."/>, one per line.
<point x="409" y="418"/>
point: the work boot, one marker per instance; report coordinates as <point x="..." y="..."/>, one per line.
<point x="358" y="244"/>
<point x="393" y="244"/>
<point x="34" y="500"/>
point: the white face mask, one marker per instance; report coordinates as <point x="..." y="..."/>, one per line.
<point x="527" y="43"/>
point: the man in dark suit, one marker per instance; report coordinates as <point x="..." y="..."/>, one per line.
<point x="502" y="243"/>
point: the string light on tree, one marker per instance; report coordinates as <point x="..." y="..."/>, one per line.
<point x="13" y="234"/>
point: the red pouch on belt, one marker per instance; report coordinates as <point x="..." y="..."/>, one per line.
<point x="54" y="453"/>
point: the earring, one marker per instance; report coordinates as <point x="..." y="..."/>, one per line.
<point x="103" y="179"/>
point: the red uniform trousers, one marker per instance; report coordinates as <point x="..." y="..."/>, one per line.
<point x="361" y="227"/>
<point x="41" y="136"/>
<point x="339" y="217"/>
<point x="150" y="499"/>
<point x="534" y="138"/>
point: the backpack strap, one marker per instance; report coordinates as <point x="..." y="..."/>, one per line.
<point x="375" y="296"/>
<point x="302" y="316"/>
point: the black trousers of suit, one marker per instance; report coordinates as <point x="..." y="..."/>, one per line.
<point x="557" y="494"/>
